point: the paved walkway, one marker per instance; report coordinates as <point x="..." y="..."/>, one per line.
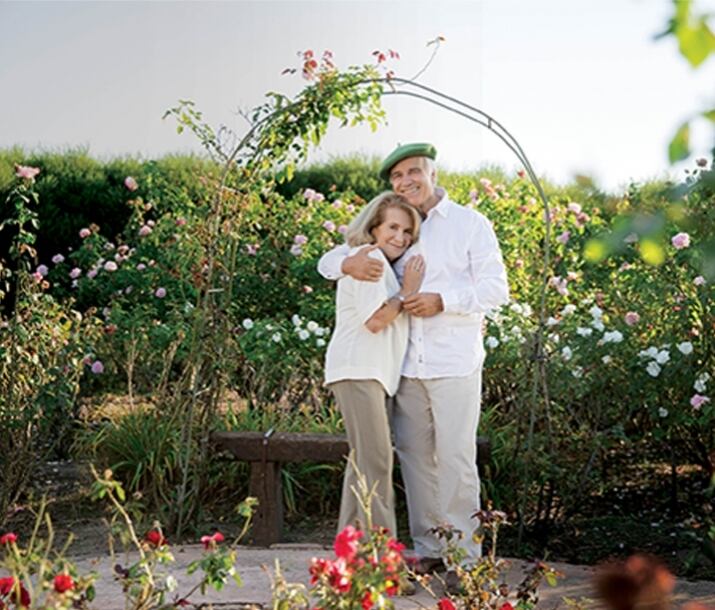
<point x="254" y="564"/>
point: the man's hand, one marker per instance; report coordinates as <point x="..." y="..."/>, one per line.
<point x="424" y="304"/>
<point x="361" y="266"/>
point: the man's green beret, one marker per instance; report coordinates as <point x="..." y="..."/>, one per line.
<point x="417" y="149"/>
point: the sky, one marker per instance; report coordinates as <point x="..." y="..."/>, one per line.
<point x="581" y="84"/>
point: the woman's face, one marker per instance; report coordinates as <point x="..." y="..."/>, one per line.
<point x="394" y="234"/>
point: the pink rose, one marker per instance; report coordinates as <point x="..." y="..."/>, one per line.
<point x="160" y="293"/>
<point x="574" y="207"/>
<point x="632" y="318"/>
<point x="699" y="281"/>
<point x="144" y="231"/>
<point x="97" y="367"/>
<point x="680" y="241"/>
<point x="698" y="400"/>
<point x="110" y="266"/>
<point x="57" y="259"/>
<point x="84" y="233"/>
<point x="329" y="225"/>
<point x="75" y="273"/>
<point x="564" y="237"/>
<point x="299" y="240"/>
<point x="130" y="183"/>
<point x="252" y="249"/>
<point x="42" y="270"/>
<point x="26" y="172"/>
<point x="343" y="229"/>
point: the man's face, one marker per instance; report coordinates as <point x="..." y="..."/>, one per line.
<point x="412" y="179"/>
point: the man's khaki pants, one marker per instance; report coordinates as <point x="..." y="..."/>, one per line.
<point x="362" y="404"/>
<point x="435" y="428"/>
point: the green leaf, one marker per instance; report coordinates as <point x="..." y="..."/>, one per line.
<point x="679" y="147"/>
<point x="696" y="41"/>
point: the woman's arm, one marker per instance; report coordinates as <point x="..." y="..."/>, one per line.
<point x="383" y="317"/>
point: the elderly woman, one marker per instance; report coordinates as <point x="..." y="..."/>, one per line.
<point x="368" y="345"/>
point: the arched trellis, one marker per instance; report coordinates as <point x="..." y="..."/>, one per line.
<point x="253" y="154"/>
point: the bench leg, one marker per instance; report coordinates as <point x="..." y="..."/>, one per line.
<point x="265" y="484"/>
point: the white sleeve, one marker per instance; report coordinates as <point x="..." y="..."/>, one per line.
<point x="370" y="296"/>
<point x="488" y="288"/>
<point x="329" y="265"/>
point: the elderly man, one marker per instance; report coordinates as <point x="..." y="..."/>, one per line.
<point x="436" y="410"/>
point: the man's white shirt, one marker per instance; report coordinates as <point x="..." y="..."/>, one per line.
<point x="464" y="265"/>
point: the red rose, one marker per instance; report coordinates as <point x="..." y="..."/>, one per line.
<point x="8" y="538"/>
<point x="9" y="585"/>
<point x="446" y="604"/>
<point x="155" y="538"/>
<point x="346" y="542"/>
<point x="367" y="600"/>
<point x="63" y="583"/>
<point x="212" y="541"/>
<point x="506" y="606"/>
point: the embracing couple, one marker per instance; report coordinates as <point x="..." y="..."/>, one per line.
<point x="415" y="278"/>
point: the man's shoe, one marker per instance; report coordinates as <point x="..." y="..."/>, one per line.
<point x="427" y="565"/>
<point x="452" y="583"/>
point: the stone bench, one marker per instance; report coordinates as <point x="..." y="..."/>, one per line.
<point x="267" y="451"/>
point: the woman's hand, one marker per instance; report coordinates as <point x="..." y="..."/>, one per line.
<point x="413" y="275"/>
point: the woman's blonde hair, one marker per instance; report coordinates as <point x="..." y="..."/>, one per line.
<point x="372" y="215"/>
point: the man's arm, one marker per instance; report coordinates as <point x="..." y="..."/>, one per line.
<point x="488" y="288"/>
<point x="336" y="264"/>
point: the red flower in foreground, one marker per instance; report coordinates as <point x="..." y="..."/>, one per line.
<point x="506" y="606"/>
<point x="155" y="538"/>
<point x="346" y="542"/>
<point x="10" y="586"/>
<point x="8" y="538"/>
<point x="213" y="540"/>
<point x="340" y="576"/>
<point x="367" y="600"/>
<point x="63" y="583"/>
<point x="446" y="604"/>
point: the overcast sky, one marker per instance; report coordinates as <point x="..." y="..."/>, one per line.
<point x="580" y="83"/>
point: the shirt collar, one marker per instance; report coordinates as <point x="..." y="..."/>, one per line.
<point x="442" y="207"/>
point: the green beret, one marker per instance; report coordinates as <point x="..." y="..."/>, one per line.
<point x="417" y="149"/>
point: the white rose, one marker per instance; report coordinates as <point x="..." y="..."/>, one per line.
<point x="663" y="412"/>
<point x="685" y="347"/>
<point x="662" y="357"/>
<point x="276" y="337"/>
<point x="597" y="324"/>
<point x="606" y="359"/>
<point x="320" y="342"/>
<point x="516" y="308"/>
<point x="653" y="369"/>
<point x="568" y="310"/>
<point x="567" y="353"/>
<point x="583" y="331"/>
<point x="303" y="334"/>
<point x="296" y="320"/>
<point x="492" y="342"/>
<point x="577" y="372"/>
<point x="551" y="321"/>
<point x="596" y="311"/>
<point x="312" y="326"/>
